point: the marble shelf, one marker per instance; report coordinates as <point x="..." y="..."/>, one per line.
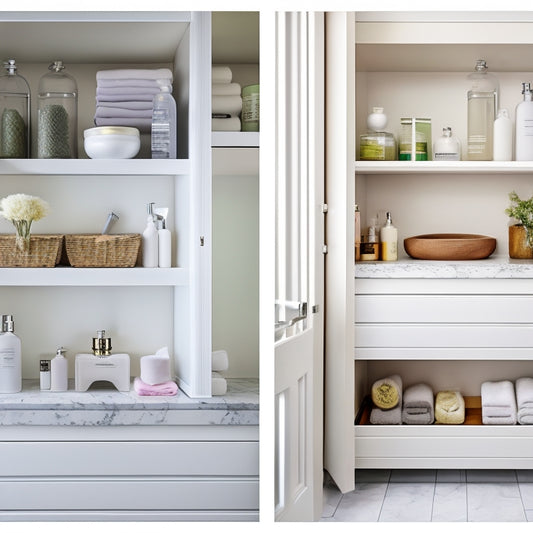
<point x="108" y="407"/>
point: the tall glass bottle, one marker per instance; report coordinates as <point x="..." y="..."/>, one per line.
<point x="14" y="113"/>
<point x="482" y="107"/>
<point x="57" y="120"/>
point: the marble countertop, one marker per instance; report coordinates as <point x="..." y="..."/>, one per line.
<point x="493" y="267"/>
<point x="107" y="407"/>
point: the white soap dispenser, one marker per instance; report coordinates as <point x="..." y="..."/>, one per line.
<point x="150" y="239"/>
<point x="10" y="357"/>
<point x="164" y="238"/>
<point x="389" y="241"/>
<point x="59" y="372"/>
<point x="524" y="119"/>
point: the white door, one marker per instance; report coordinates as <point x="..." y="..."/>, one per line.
<point x="299" y="265"/>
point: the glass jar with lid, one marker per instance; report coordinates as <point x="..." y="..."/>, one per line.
<point x="14" y="113"/>
<point x="57" y="120"/>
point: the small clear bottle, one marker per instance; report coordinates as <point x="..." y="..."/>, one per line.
<point x="447" y="147"/>
<point x="57" y="119"/>
<point x="14" y="113"/>
<point x="164" y="127"/>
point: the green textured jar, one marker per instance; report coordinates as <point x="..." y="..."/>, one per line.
<point x="250" y="108"/>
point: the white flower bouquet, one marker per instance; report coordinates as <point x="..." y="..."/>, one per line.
<point x="22" y="210"/>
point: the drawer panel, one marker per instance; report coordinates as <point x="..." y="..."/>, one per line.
<point x="402" y="308"/>
<point x="129" y="458"/>
<point x="129" y="494"/>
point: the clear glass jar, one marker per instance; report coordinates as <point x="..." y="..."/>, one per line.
<point x="57" y="120"/>
<point x="14" y="113"/>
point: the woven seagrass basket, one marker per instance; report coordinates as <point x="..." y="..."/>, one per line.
<point x="103" y="251"/>
<point x="45" y="251"/>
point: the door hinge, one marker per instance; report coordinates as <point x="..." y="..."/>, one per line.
<point x="314" y="309"/>
<point x="324" y="249"/>
<point x="202" y="241"/>
<point x="324" y="208"/>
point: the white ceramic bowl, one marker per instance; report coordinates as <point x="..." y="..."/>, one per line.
<point x="112" y="142"/>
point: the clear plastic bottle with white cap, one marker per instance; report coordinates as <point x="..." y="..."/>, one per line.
<point x="164" y="127"/>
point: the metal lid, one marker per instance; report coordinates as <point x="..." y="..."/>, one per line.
<point x="111" y="130"/>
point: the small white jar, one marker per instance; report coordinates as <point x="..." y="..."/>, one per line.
<point x="112" y="142"/>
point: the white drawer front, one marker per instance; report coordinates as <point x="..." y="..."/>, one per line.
<point x="129" y="458"/>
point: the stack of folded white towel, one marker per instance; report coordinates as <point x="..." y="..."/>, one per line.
<point x="524" y="399"/>
<point x="498" y="402"/>
<point x="226" y="103"/>
<point x="124" y="97"/>
<point x="219" y="363"/>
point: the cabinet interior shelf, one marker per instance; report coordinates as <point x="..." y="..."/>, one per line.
<point x="94" y="167"/>
<point x="96" y="277"/>
<point x="443" y="167"/>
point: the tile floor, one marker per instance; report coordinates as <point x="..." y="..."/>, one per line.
<point x="432" y="496"/>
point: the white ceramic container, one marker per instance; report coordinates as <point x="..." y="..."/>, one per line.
<point x="112" y="142"/>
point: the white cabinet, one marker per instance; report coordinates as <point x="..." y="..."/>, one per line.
<point x="441" y="331"/>
<point x="142" y="309"/>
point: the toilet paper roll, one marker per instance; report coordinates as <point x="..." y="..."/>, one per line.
<point x="219" y="361"/>
<point x="219" y="385"/>
<point x="155" y="369"/>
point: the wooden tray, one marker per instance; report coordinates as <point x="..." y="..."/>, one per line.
<point x="450" y="246"/>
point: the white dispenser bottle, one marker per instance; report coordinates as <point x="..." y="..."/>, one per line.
<point x="447" y="147"/>
<point x="150" y="240"/>
<point x="10" y="357"/>
<point x="59" y="372"/>
<point x="524" y="126"/>
<point x="503" y="137"/>
<point x="389" y="241"/>
<point x="164" y="238"/>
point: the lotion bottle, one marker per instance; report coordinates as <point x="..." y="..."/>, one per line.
<point x="10" y="357"/>
<point x="150" y="246"/>
<point x="59" y="372"/>
<point x="389" y="241"/>
<point x="503" y="137"/>
<point x="524" y="121"/>
<point x="164" y="238"/>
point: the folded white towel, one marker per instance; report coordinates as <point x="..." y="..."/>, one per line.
<point x="130" y="104"/>
<point x="226" y="89"/>
<point x="155" y="369"/>
<point x="139" y="74"/>
<point x="221" y="74"/>
<point x="118" y="112"/>
<point x="144" y="125"/>
<point x="130" y="82"/>
<point x="232" y="105"/>
<point x="226" y="124"/>
<point x="219" y="361"/>
<point x="219" y="385"/>
<point x="524" y="400"/>
<point x="498" y="402"/>
<point x="124" y="98"/>
<point x="129" y="93"/>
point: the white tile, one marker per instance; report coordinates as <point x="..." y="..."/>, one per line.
<point x="362" y="504"/>
<point x="493" y="502"/>
<point x="526" y="492"/>
<point x="408" y="502"/>
<point x="449" y="502"/>
<point x="331" y="498"/>
<point x="413" y="476"/>
<point x="372" y="476"/>
<point x="451" y="476"/>
<point x="491" y="476"/>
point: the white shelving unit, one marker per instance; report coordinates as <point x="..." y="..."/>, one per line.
<point x="415" y="64"/>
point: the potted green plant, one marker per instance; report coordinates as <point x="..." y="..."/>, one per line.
<point x="520" y="234"/>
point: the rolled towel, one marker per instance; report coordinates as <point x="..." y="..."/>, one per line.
<point x="221" y="74"/>
<point x="226" y="124"/>
<point x="524" y="400"/>
<point x="387" y="392"/>
<point x="449" y="408"/>
<point x="498" y="402"/>
<point x="162" y="389"/>
<point x="226" y="89"/>
<point x="135" y="73"/>
<point x="229" y="105"/>
<point x="418" y="405"/>
<point x="386" y="416"/>
<point x="219" y="385"/>
<point x="219" y="361"/>
<point x="155" y="368"/>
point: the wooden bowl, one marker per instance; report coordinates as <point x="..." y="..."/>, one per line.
<point x="449" y="246"/>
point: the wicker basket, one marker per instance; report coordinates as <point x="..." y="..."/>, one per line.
<point x="45" y="251"/>
<point x="103" y="251"/>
